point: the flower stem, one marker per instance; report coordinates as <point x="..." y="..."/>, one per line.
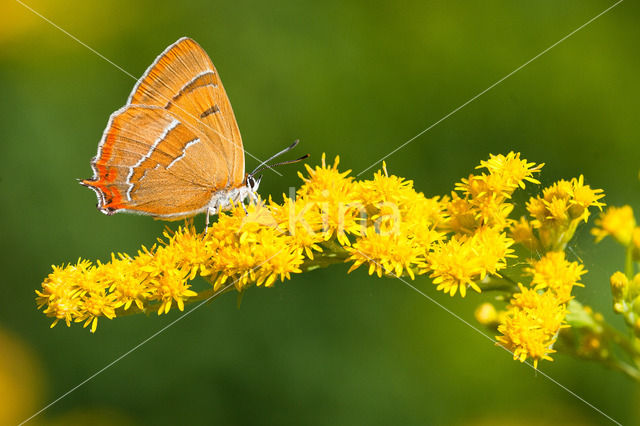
<point x="496" y="283"/>
<point x="628" y="262"/>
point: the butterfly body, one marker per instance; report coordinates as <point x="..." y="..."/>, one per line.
<point x="225" y="199"/>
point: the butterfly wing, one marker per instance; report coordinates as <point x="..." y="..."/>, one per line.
<point x="174" y="144"/>
<point x="149" y="162"/>
<point x="184" y="81"/>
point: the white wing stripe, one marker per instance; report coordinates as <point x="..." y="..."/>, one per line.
<point x="184" y="152"/>
<point x="175" y="123"/>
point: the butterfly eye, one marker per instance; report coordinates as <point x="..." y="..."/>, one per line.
<point x="253" y="183"/>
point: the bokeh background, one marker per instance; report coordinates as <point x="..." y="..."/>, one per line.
<point x="354" y="78"/>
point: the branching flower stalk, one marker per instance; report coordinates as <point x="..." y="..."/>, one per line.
<point x="467" y="240"/>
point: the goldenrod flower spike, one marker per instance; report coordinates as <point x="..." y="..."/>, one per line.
<point x="467" y="239"/>
<point x="383" y="223"/>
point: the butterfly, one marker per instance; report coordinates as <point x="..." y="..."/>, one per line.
<point x="174" y="150"/>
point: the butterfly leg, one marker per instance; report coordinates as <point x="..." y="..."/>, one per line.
<point x="210" y="211"/>
<point x="253" y="199"/>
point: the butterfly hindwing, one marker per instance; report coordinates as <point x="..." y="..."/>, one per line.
<point x="141" y="146"/>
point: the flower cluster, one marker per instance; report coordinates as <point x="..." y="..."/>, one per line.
<point x="556" y="214"/>
<point x="476" y="218"/>
<point x="461" y="241"/>
<point x="621" y="225"/>
<point x="530" y="325"/>
<point x="397" y="226"/>
<point x="537" y="312"/>
<point x="382" y="222"/>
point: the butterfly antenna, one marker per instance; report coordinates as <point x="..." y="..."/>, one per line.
<point x="284" y="151"/>
<point x="281" y="163"/>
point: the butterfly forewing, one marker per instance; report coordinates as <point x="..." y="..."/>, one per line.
<point x="174" y="144"/>
<point x="185" y="82"/>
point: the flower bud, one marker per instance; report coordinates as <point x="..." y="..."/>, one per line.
<point x="486" y="314"/>
<point x="619" y="286"/>
<point x="618" y="307"/>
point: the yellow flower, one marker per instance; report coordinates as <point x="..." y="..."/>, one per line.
<point x="276" y="257"/>
<point x="126" y="279"/>
<point x="398" y="227"/>
<point x="561" y="189"/>
<point x="193" y="250"/>
<point x="493" y="211"/>
<point x="463" y="260"/>
<point x="583" y="198"/>
<point x="171" y="286"/>
<point x="453" y="266"/>
<point x="431" y="211"/>
<point x="554" y="272"/>
<point x="537" y="208"/>
<point x="334" y="193"/>
<point x="60" y="293"/>
<point x="385" y="188"/>
<point x="255" y="250"/>
<point x="462" y="217"/>
<point x="522" y="233"/>
<point x="302" y="221"/>
<point x="97" y="304"/>
<point x="485" y="196"/>
<point x="619" y="222"/>
<point x="507" y="173"/>
<point x="530" y="327"/>
<point x="565" y="200"/>
<point x="492" y="248"/>
<point x="474" y="186"/>
<point x="535" y="315"/>
<point x="386" y="253"/>
<point x="267" y="243"/>
<point x="557" y="210"/>
<point x="561" y="208"/>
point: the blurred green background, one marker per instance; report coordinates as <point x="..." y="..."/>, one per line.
<point x="354" y="78"/>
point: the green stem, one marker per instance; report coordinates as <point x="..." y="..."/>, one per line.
<point x="623" y="342"/>
<point x="628" y="262"/>
<point x="496" y="283"/>
<point x="625" y="368"/>
<point x="332" y="255"/>
<point x="616" y="351"/>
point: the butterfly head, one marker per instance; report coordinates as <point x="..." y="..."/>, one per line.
<point x="253" y="182"/>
